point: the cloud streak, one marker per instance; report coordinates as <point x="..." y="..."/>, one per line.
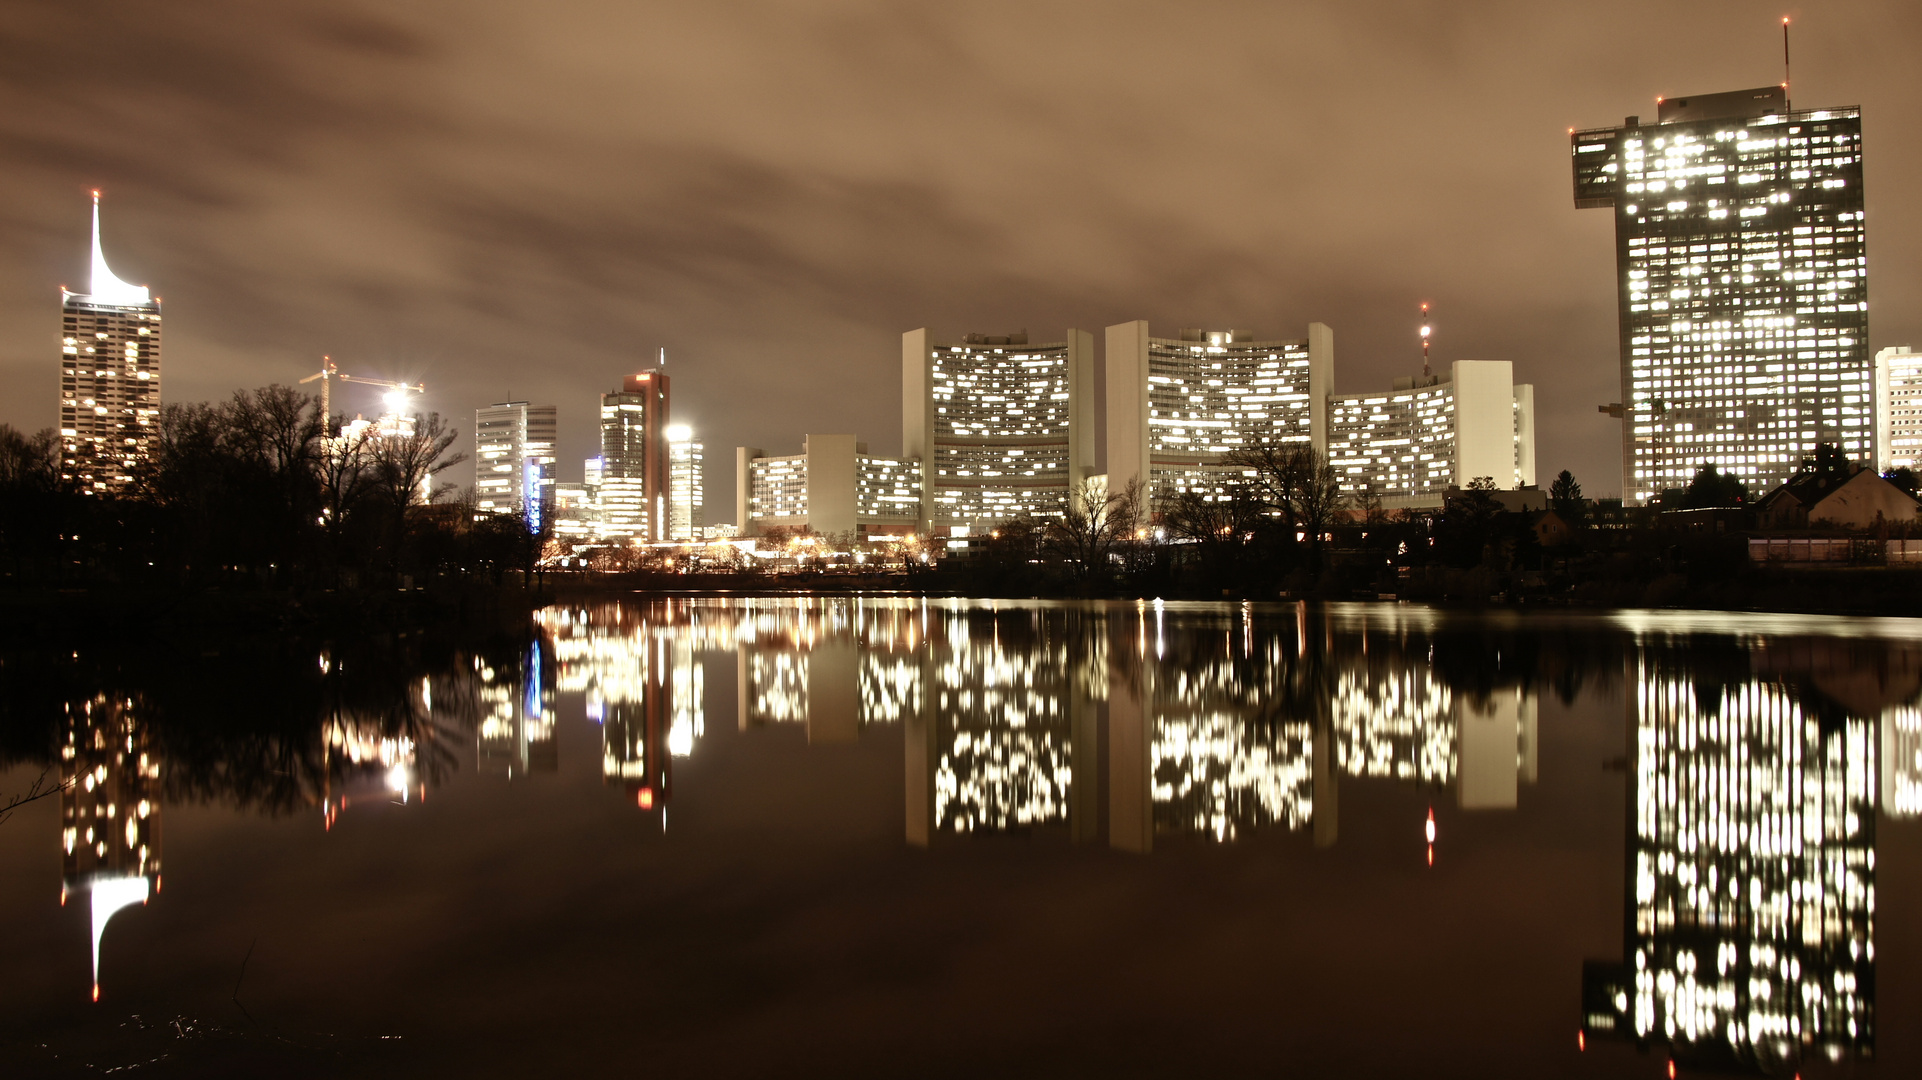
<point x="500" y="200"/>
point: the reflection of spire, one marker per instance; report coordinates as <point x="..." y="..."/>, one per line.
<point x="105" y="288"/>
<point x="110" y="894"/>
<point x="110" y="813"/>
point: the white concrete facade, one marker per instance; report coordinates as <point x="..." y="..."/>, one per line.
<point x="832" y="486"/>
<point x="1898" y="408"/>
<point x="1177" y="405"/>
<point x="1001" y="427"/>
<point x="1430" y="433"/>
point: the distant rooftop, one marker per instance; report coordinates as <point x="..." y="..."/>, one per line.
<point x="1729" y="105"/>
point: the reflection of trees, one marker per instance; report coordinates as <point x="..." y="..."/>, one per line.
<point x="245" y="722"/>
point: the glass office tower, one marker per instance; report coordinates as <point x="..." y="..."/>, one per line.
<point x="515" y="475"/>
<point x="634" y="480"/>
<point x="1743" y="285"/>
<point x="685" y="501"/>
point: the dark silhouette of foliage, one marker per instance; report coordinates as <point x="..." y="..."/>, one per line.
<point x="1711" y="488"/>
<point x="249" y="493"/>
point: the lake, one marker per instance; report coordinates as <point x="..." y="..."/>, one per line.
<point x="900" y="836"/>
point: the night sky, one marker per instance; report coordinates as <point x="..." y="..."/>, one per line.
<point x="510" y="200"/>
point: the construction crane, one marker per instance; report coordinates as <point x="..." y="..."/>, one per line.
<point x="329" y="372"/>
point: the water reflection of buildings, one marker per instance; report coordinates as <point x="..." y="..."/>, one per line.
<point x="368" y="757"/>
<point x="1043" y="717"/>
<point x="1750" y="908"/>
<point x="1404" y="723"/>
<point x="515" y="735"/>
<point x="640" y="671"/>
<point x="1902" y="761"/>
<point x="996" y="727"/>
<point x="1207" y="730"/>
<point x="835" y="666"/>
<point x="109" y="811"/>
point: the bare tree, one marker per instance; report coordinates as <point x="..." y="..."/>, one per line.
<point x="1318" y="498"/>
<point x="344" y="465"/>
<point x="404" y="465"/>
<point x="281" y="428"/>
<point x="29" y="460"/>
<point x="1295" y="482"/>
<point x="40" y="789"/>
<point x="1094" y="522"/>
<point x="1270" y="473"/>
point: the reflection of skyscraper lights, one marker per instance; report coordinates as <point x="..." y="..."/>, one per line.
<point x="109" y="812"/>
<point x="890" y="687"/>
<point x="1225" y="751"/>
<point x="1215" y="771"/>
<point x="1398" y="724"/>
<point x="1006" y="756"/>
<point x="643" y="683"/>
<point x="1001" y="778"/>
<point x="1902" y="761"/>
<point x="517" y="727"/>
<point x="1751" y="877"/>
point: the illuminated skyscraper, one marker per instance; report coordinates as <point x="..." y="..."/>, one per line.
<point x="1434" y="432"/>
<point x="1898" y="408"/>
<point x="1177" y="405"/>
<point x="685" y="456"/>
<point x="110" y="377"/>
<point x="1743" y="285"/>
<point x="515" y="474"/>
<point x="1002" y="428"/>
<point x="634" y="483"/>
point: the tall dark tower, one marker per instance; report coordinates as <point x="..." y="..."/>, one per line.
<point x="1743" y="285"/>
<point x="109" y="377"/>
<point x="635" y="481"/>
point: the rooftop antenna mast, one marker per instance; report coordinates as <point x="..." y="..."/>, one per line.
<point x="1425" y="328"/>
<point x="1786" y="106"/>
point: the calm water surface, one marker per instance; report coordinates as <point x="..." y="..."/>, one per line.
<point x="948" y="838"/>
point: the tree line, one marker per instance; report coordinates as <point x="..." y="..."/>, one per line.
<point x="260" y="490"/>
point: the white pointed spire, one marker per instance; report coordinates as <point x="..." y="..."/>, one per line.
<point x="105" y="288"/>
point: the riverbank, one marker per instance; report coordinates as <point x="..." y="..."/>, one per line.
<point x="28" y="617"/>
<point x="33" y="616"/>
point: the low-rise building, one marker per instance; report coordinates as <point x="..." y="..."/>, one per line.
<point x="1861" y="500"/>
<point x="832" y="486"/>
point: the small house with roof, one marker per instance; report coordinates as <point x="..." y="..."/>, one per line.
<point x="1860" y="500"/>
